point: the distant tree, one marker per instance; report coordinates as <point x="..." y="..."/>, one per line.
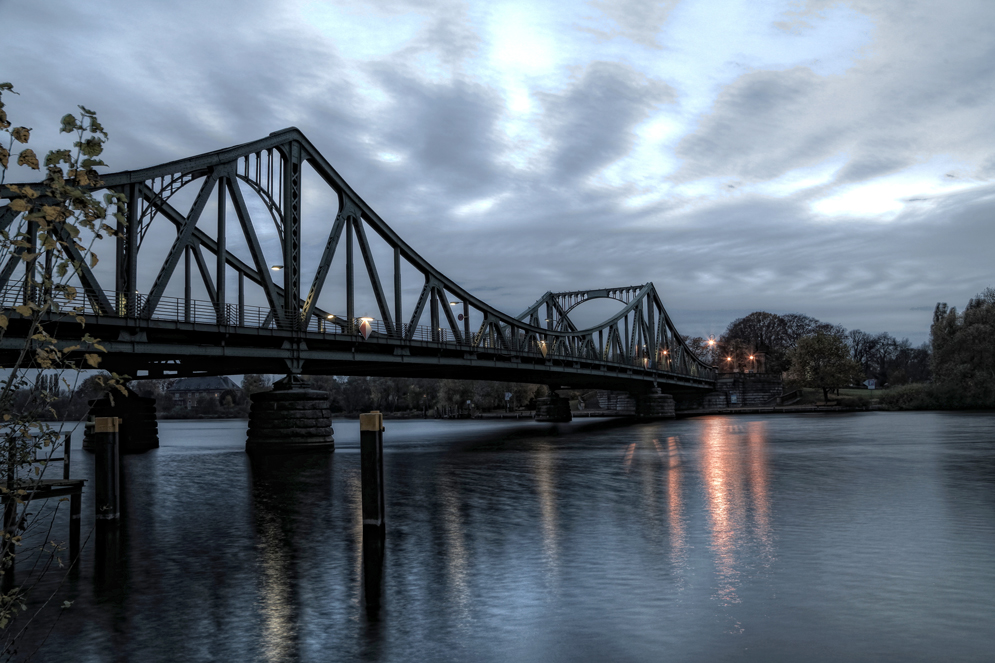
<point x="823" y="361"/>
<point x="253" y="383"/>
<point x="761" y="331"/>
<point x="700" y="347"/>
<point x="357" y="395"/>
<point x="385" y="392"/>
<point x="963" y="358"/>
<point x="455" y="393"/>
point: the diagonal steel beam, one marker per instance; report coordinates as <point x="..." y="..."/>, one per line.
<point x="183" y="235"/>
<point x="326" y="263"/>
<point x="7" y="216"/>
<point x="371" y="270"/>
<point x="12" y="263"/>
<point x="274" y="298"/>
<point x="91" y="286"/>
<point x="426" y="292"/>
<point x="212" y="292"/>
<point x="199" y="236"/>
<point x="449" y="314"/>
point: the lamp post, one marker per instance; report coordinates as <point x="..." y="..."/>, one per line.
<point x="366" y="327"/>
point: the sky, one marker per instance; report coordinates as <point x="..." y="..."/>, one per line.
<point x="835" y="159"/>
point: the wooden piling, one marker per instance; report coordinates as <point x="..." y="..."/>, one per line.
<point x="374" y="521"/>
<point x="371" y="460"/>
<point x="106" y="470"/>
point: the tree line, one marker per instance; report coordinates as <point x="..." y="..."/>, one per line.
<point x="954" y="369"/>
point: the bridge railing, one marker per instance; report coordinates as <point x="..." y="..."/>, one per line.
<point x="178" y="309"/>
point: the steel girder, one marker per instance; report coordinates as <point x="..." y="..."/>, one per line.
<point x="641" y="335"/>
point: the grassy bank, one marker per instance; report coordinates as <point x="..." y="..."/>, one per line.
<point x="919" y="396"/>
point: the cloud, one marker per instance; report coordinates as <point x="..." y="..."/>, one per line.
<point x="592" y="123"/>
<point x="741" y="156"/>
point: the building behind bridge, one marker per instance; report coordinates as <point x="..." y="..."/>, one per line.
<point x="186" y="391"/>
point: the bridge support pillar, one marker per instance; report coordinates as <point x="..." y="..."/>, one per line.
<point x="290" y="419"/>
<point x="654" y="405"/>
<point x="138" y="431"/>
<point x="553" y="408"/>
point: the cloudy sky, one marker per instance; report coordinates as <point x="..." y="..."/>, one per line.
<point x="830" y="158"/>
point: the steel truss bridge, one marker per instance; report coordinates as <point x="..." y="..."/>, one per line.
<point x="229" y="297"/>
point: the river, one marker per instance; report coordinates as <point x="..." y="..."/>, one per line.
<point x="824" y="537"/>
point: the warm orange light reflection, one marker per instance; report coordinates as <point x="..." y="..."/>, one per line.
<point x="457" y="557"/>
<point x="675" y="503"/>
<point x="734" y="471"/>
<point x="546" y="487"/>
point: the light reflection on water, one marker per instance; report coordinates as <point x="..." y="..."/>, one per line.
<point x="814" y="538"/>
<point x="545" y="476"/>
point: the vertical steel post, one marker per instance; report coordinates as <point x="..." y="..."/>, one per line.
<point x="29" y="265"/>
<point x="466" y="322"/>
<point x="434" y="314"/>
<point x="187" y="293"/>
<point x="131" y="233"/>
<point x="292" y="234"/>
<point x="241" y="299"/>
<point x="350" y="291"/>
<point x="121" y="262"/>
<point x="222" y="264"/>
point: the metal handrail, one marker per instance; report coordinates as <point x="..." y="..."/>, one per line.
<point x="177" y="309"/>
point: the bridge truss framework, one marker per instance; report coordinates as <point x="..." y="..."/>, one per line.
<point x="153" y="334"/>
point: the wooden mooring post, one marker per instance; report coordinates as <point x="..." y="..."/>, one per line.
<point x="371" y="458"/>
<point x="106" y="470"/>
<point x="374" y="520"/>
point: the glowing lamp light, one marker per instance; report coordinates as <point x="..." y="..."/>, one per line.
<point x="365" y="328"/>
<point x="542" y="348"/>
<point x="331" y="317"/>
<point x="276" y="268"/>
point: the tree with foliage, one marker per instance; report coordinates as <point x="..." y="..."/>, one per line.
<point x="48" y="231"/>
<point x="823" y="361"/>
<point x="759" y="331"/>
<point x="963" y="346"/>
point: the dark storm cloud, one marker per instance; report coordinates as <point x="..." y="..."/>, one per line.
<point x="590" y="125"/>
<point x="918" y="90"/>
<point x="749" y="135"/>
<point x="176" y="79"/>
<point x="446" y="130"/>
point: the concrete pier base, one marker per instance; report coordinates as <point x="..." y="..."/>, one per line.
<point x="138" y="431"/>
<point x="553" y="408"/>
<point x="290" y="419"/>
<point x="655" y="405"/>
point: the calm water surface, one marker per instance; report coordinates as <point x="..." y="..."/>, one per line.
<point x="866" y="537"/>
